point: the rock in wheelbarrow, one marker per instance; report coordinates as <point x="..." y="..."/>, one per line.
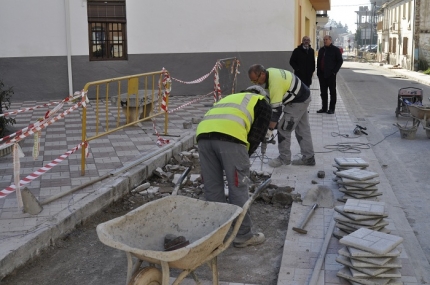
<point x="172" y="242"/>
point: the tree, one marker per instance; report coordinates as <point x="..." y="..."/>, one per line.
<point x="358" y="36"/>
<point x="5" y="96"/>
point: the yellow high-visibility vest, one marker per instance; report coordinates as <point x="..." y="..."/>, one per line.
<point x="233" y="115"/>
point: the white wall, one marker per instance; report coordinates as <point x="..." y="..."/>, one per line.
<point x="186" y="26"/>
<point x="38" y="27"/>
<point x="32" y="28"/>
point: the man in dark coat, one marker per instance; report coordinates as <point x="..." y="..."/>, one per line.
<point x="302" y="60"/>
<point x="328" y="64"/>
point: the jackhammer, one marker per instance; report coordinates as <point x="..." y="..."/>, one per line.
<point x="264" y="147"/>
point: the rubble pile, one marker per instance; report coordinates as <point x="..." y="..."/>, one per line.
<point x="370" y="257"/>
<point x="164" y="179"/>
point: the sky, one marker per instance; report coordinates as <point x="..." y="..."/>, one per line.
<point x="344" y="11"/>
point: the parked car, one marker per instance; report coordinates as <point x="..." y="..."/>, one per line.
<point x="373" y="48"/>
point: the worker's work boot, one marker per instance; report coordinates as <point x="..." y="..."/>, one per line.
<point x="256" y="239"/>
<point x="304" y="161"/>
<point x="276" y="162"/>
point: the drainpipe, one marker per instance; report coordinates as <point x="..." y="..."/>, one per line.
<point x="68" y="45"/>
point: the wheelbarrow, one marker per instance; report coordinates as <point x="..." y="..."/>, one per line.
<point x="141" y="234"/>
<point x="421" y="114"/>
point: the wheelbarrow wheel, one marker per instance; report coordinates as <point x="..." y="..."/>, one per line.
<point x="147" y="276"/>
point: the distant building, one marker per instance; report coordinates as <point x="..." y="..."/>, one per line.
<point x="404" y="33"/>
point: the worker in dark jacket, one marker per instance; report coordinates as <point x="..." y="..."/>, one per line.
<point x="228" y="134"/>
<point x="302" y="60"/>
<point x="328" y="64"/>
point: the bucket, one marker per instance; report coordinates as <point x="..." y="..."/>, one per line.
<point x="408" y="134"/>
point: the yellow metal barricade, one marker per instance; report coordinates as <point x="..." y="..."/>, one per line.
<point x="123" y="102"/>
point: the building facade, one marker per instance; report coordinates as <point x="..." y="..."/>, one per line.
<point x="49" y="54"/>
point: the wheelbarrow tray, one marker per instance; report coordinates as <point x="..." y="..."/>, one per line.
<point x="141" y="232"/>
<point x="419" y="112"/>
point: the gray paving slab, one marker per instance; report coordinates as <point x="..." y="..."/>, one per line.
<point x="392" y="263"/>
<point x="356" y="252"/>
<point x="351" y="161"/>
<point x="371" y="271"/>
<point x="363" y="207"/>
<point x="344" y="251"/>
<point x="357" y="217"/>
<point x="357" y="174"/>
<point x="372" y="241"/>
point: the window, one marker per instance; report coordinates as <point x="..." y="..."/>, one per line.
<point x="405" y="46"/>
<point x="107" y="30"/>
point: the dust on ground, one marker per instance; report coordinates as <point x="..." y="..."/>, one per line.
<point x="80" y="258"/>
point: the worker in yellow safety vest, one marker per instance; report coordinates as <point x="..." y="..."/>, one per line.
<point x="227" y="136"/>
<point x="290" y="100"/>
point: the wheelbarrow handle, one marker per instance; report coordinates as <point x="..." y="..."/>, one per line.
<point x="245" y="208"/>
<point x="179" y="182"/>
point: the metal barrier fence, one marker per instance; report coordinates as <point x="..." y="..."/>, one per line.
<point x="123" y="102"/>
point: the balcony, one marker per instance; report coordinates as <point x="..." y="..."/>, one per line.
<point x="320" y="4"/>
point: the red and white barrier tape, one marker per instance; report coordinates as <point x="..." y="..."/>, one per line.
<point x="217" y="87"/>
<point x="201" y="79"/>
<point x="31" y="127"/>
<point x="67" y="99"/>
<point x="167" y="83"/>
<point x="189" y="103"/>
<point x="38" y="126"/>
<point x="40" y="171"/>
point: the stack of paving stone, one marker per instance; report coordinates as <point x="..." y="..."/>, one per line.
<point x="356" y="214"/>
<point x="370" y="257"/>
<point x="354" y="181"/>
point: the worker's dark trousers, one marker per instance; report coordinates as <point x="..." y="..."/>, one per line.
<point x="330" y="84"/>
<point x="295" y="119"/>
<point x="216" y="156"/>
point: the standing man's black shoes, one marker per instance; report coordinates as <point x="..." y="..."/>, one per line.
<point x="330" y="112"/>
<point x="321" y="111"/>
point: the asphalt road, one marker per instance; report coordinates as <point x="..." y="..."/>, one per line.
<point x="370" y="94"/>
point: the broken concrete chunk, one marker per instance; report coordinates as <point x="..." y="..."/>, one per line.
<point x="170" y="167"/>
<point x="159" y="172"/>
<point x="196" y="120"/>
<point x="153" y="190"/>
<point x="187" y="125"/>
<point x="141" y="187"/>
<point x="186" y="153"/>
<point x="176" y="179"/>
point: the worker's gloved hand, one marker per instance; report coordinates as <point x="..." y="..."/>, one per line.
<point x="269" y="135"/>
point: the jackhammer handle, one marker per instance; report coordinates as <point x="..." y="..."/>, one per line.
<point x="300" y="229"/>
